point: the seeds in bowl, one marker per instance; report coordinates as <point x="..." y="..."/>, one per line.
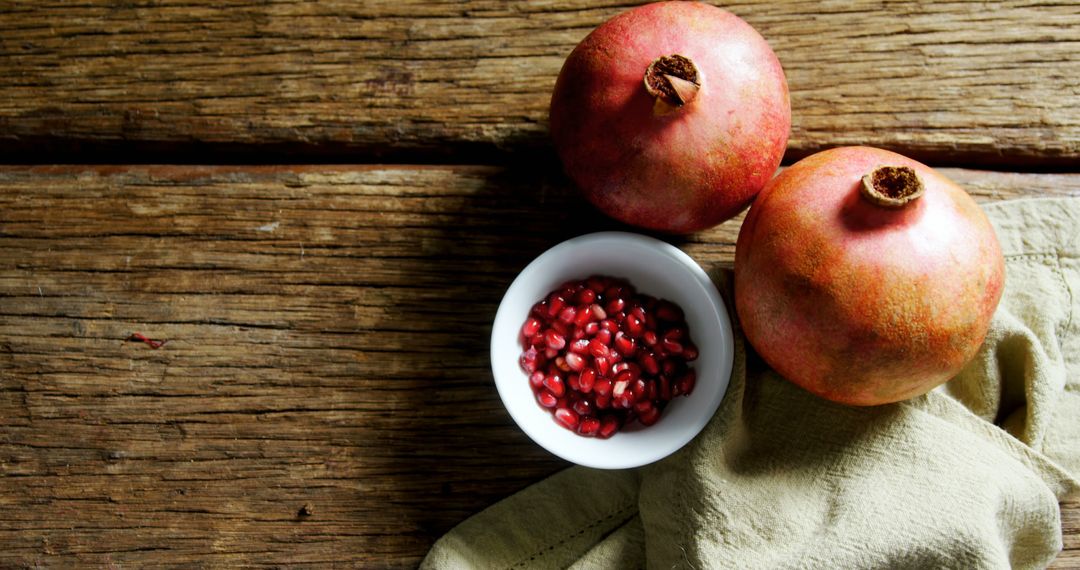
<point x="599" y="355"/>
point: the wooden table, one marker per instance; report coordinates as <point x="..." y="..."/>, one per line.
<point x="348" y="189"/>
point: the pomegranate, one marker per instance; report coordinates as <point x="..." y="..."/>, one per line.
<point x="671" y="116"/>
<point x="866" y="277"/>
<point x="595" y="368"/>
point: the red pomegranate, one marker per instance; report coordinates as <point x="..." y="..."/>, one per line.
<point x="671" y="116"/>
<point x="866" y="277"/>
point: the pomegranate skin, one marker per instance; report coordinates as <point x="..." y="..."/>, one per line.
<point x="699" y="164"/>
<point x="858" y="303"/>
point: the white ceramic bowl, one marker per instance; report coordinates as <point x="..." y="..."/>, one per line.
<point x="654" y="267"/>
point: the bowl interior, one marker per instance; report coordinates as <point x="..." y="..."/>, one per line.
<point x="653" y="267"/>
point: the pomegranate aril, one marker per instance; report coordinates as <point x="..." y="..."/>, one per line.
<point x="649" y="417"/>
<point x="555" y="385"/>
<point x="579" y="346"/>
<point x="536" y="379"/>
<point x="592" y="328"/>
<point x="608" y="325"/>
<point x="546" y="399"/>
<point x="604" y="336"/>
<point x="560" y="363"/>
<point x="585" y="296"/>
<point x="618" y="388"/>
<point x="598" y="348"/>
<point x="672" y="347"/>
<point x="597" y="312"/>
<point x="650" y="389"/>
<point x="586" y="380"/>
<point x="633" y="326"/>
<point x="555" y="304"/>
<point x="603" y="365"/>
<point x="685" y="385"/>
<point x="550" y="353"/>
<point x="603" y="387"/>
<point x="554" y="340"/>
<point x="626" y="401"/>
<point x="649" y="364"/>
<point x="668" y="311"/>
<point x="638" y="388"/>
<point x="609" y="425"/>
<point x="531" y="327"/>
<point x="567" y="418"/>
<point x="567" y="315"/>
<point x="689" y="352"/>
<point x="560" y="327"/>
<point x="583" y="315"/>
<point x="602" y="402"/>
<point x="596" y="284"/>
<point x="582" y="407"/>
<point x="574" y="361"/>
<point x="643" y="406"/>
<point x="573" y="382"/>
<point x="589" y="426"/>
<point x="624" y="344"/>
<point x="529" y="360"/>
<point x="650" y="338"/>
<point x="539" y="310"/>
<point x="674" y="333"/>
<point x="615" y="305"/>
<point x="663" y="390"/>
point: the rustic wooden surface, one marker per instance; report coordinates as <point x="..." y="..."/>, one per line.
<point x="953" y="82"/>
<point x="327" y="335"/>
<point x="324" y="396"/>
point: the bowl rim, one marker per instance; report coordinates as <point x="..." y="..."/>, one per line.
<point x="711" y="301"/>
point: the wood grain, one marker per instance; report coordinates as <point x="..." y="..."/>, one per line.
<point x="327" y="332"/>
<point x="193" y="80"/>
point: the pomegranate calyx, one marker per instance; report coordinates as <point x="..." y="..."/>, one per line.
<point x="892" y="186"/>
<point x="673" y="80"/>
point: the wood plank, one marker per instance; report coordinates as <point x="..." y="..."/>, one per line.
<point x="181" y="80"/>
<point x="327" y="340"/>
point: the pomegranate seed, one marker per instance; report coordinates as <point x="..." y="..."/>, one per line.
<point x="528" y="360"/>
<point x="546" y="399"/>
<point x="668" y="311"/>
<point x="560" y="363"/>
<point x="586" y="380"/>
<point x="604" y="337"/>
<point x="567" y="417"/>
<point x="624" y="344"/>
<point x="560" y="327"/>
<point x="615" y="305"/>
<point x="585" y="296"/>
<point x="536" y="379"/>
<point x="603" y="387"/>
<point x="649" y="364"/>
<point x="633" y="326"/>
<point x="579" y="346"/>
<point x="603" y="365"/>
<point x="598" y="313"/>
<point x="598" y="348"/>
<point x="573" y="382"/>
<point x="532" y="326"/>
<point x="650" y="389"/>
<point x="596" y="284"/>
<point x="592" y="328"/>
<point x="670" y="367"/>
<point x="589" y="426"/>
<point x="643" y="406"/>
<point x="608" y="426"/>
<point x="675" y="333"/>
<point x="582" y="407"/>
<point x="664" y="389"/>
<point x="619" y="387"/>
<point x="555" y="384"/>
<point x="690" y="352"/>
<point x="650" y="338"/>
<point x="638" y="388"/>
<point x="609" y="325"/>
<point x="574" y="361"/>
<point x="629" y="375"/>
<point x="583" y="316"/>
<point x="650" y="321"/>
<point x="619" y="367"/>
<point x="567" y="315"/>
<point x="555" y="304"/>
<point x="649" y="417"/>
<point x="618" y="317"/>
<point x="686" y="382"/>
<point x="626" y="401"/>
<point x="602" y="402"/>
<point x="539" y="310"/>
<point x="550" y="353"/>
<point x="672" y="347"/>
<point x="554" y="340"/>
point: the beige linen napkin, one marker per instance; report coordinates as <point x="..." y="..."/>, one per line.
<point x="968" y="476"/>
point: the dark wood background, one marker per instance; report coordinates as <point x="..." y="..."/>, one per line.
<point x="319" y="205"/>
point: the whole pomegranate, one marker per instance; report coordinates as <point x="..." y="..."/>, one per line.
<point x="866" y="277"/>
<point x="671" y="116"/>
